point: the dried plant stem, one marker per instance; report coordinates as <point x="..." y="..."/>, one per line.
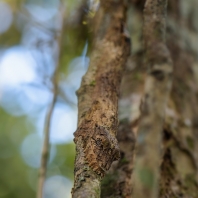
<point x="45" y="150"/>
<point x="46" y="145"/>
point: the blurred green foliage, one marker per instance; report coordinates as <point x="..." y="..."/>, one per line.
<point x="17" y="179"/>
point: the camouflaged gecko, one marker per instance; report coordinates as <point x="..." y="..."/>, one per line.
<point x="100" y="145"/>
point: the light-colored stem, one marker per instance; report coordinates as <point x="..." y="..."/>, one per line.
<point x="157" y="88"/>
<point x="45" y="150"/>
<point x="46" y="145"/>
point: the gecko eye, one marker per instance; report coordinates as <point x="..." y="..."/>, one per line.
<point x="98" y="142"/>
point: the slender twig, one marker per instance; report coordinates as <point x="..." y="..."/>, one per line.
<point x="157" y="88"/>
<point x="46" y="145"/>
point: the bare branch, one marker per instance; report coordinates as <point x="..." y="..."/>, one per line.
<point x="95" y="138"/>
<point x="46" y="146"/>
<point x="157" y="88"/>
<point x="45" y="150"/>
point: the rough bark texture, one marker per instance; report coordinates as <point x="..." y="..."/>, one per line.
<point x="95" y="138"/>
<point x="179" y="149"/>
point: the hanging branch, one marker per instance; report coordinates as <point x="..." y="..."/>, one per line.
<point x="157" y="88"/>
<point x="95" y="138"/>
<point x="46" y="146"/>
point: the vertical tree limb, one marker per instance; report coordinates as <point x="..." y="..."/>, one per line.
<point x="46" y="146"/>
<point x="95" y="138"/>
<point x="157" y="88"/>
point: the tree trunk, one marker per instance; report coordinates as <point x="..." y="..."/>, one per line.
<point x="178" y="148"/>
<point x="179" y="163"/>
